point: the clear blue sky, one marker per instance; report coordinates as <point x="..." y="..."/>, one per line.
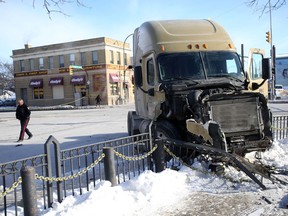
<point x="22" y="23"/>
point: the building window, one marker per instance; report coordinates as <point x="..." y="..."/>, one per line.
<point x="125" y="58"/>
<point x="118" y="58"/>
<point x="31" y="62"/>
<point x="83" y="58"/>
<point x="41" y="63"/>
<point x="38" y="93"/>
<point x="61" y="61"/>
<point x="111" y="57"/>
<point x="72" y="59"/>
<point x="51" y="62"/>
<point x="22" y="67"/>
<point x="94" y="57"/>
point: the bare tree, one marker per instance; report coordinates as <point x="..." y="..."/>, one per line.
<point x="55" y="6"/>
<point x="6" y="76"/>
<point x="266" y="5"/>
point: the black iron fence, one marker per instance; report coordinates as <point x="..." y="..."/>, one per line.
<point x="280" y="127"/>
<point x="74" y="170"/>
<point x="10" y="172"/>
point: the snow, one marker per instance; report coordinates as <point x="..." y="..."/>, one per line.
<point x="172" y="192"/>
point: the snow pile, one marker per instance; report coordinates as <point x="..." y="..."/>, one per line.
<point x="276" y="155"/>
<point x="139" y="196"/>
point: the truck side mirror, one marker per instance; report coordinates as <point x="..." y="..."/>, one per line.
<point x="265" y="68"/>
<point x="138" y="76"/>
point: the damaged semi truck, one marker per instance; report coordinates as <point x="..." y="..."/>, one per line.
<point x="190" y="82"/>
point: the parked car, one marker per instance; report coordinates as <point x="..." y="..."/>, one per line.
<point x="8" y="102"/>
<point x="278" y="91"/>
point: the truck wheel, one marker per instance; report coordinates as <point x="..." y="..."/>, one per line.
<point x="132" y="121"/>
<point x="165" y="129"/>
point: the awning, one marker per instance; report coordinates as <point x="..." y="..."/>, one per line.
<point x="78" y="80"/>
<point x="36" y="83"/>
<point x="56" y="81"/>
<point x="114" y="78"/>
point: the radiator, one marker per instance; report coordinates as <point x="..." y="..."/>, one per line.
<point x="237" y="115"/>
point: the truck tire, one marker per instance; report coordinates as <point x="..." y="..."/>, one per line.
<point x="165" y="129"/>
<point x="132" y="123"/>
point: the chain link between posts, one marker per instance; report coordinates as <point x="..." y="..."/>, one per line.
<point x="276" y="128"/>
<point x="43" y="178"/>
<point x="10" y="189"/>
<point x="118" y="154"/>
<point x="65" y="178"/>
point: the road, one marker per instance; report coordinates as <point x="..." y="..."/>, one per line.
<point x="279" y="108"/>
<point x="70" y="127"/>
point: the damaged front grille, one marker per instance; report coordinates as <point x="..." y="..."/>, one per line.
<point x="238" y="115"/>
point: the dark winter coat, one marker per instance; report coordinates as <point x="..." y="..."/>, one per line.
<point x="22" y="112"/>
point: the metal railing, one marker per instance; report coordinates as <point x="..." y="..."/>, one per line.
<point x="76" y="169"/>
<point x="10" y="172"/>
<point x="75" y="159"/>
<point x="280" y="127"/>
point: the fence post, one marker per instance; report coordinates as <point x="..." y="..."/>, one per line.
<point x="47" y="151"/>
<point x="159" y="157"/>
<point x="109" y="165"/>
<point x="29" y="191"/>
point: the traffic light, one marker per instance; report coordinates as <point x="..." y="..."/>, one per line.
<point x="268" y="37"/>
<point x="70" y="70"/>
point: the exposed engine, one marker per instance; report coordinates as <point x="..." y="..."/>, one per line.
<point x="243" y="117"/>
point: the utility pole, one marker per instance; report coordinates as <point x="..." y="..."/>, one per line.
<point x="272" y="54"/>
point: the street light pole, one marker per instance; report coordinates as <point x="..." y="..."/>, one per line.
<point x="124" y="68"/>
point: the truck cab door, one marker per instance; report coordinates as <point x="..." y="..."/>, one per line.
<point x="144" y="93"/>
<point x="254" y="71"/>
<point x="154" y="95"/>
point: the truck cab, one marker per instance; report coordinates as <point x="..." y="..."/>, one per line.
<point x="190" y="82"/>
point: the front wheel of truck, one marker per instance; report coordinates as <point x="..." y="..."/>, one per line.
<point x="165" y="129"/>
<point x="133" y="121"/>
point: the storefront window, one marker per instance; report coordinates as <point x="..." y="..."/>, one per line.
<point x="38" y="93"/>
<point x="114" y="88"/>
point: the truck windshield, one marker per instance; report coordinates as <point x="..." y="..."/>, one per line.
<point x="199" y="65"/>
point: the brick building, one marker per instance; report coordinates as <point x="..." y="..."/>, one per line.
<point x="42" y="75"/>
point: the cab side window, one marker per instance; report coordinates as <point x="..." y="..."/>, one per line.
<point x="256" y="66"/>
<point x="150" y="72"/>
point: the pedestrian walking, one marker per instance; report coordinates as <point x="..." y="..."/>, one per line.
<point x="23" y="115"/>
<point x="98" y="100"/>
